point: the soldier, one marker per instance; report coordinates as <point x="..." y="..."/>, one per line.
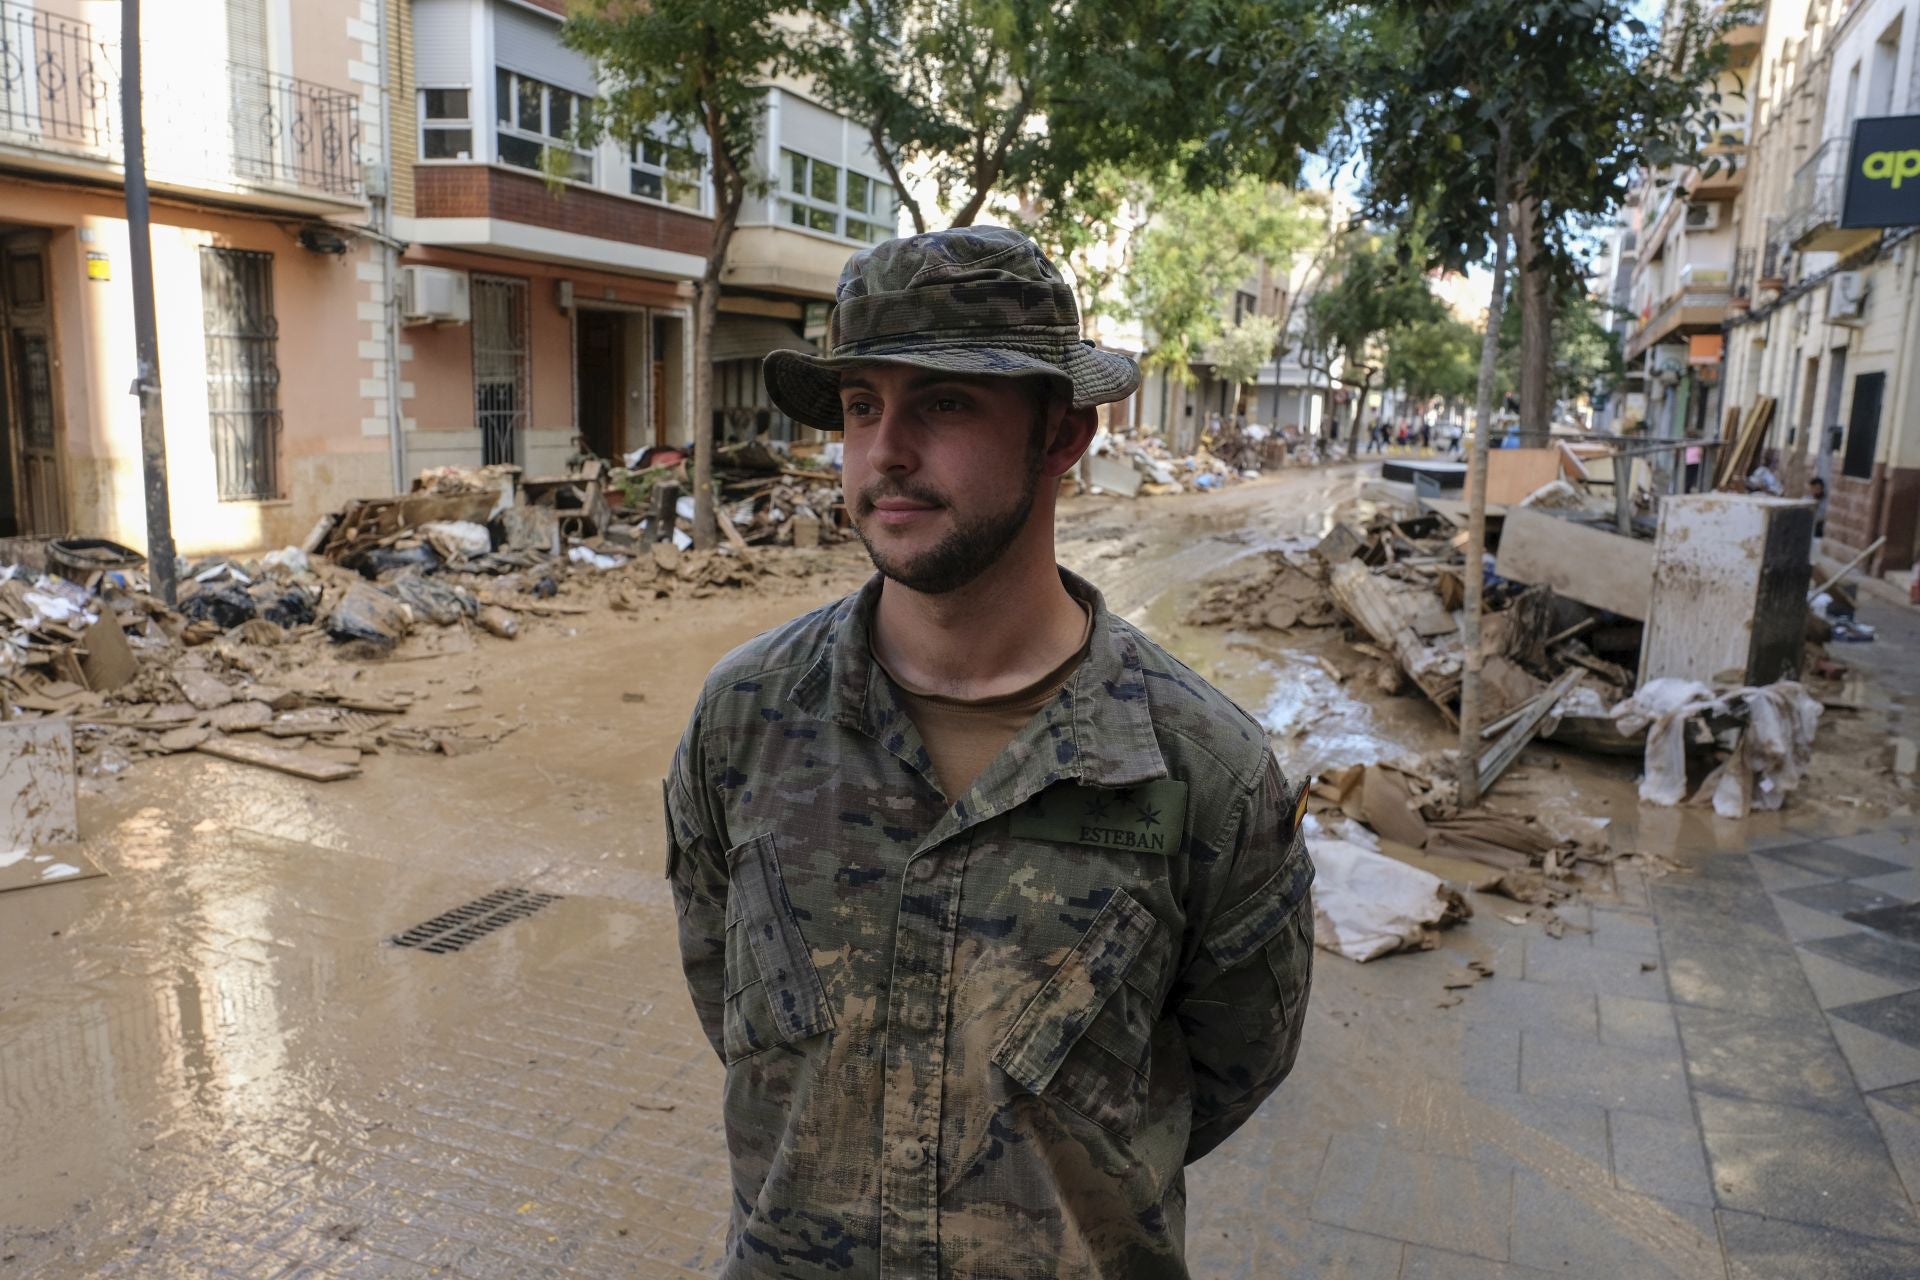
<point x="996" y="913"/>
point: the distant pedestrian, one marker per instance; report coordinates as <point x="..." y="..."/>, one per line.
<point x="1426" y="436"/>
<point x="1817" y="490"/>
<point x="996" y="913"/>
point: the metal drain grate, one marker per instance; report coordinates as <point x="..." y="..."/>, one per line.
<point x="453" y="930"/>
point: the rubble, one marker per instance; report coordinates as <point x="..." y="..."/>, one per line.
<point x="239" y="669"/>
<point x="1136" y="465"/>
<point x="1567" y="613"/>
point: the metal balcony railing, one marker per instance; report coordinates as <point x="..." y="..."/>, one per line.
<point x="1745" y="263"/>
<point x="1819" y="186"/>
<point x="1775" y="261"/>
<point x="246" y="127"/>
<point x="59" y="87"/>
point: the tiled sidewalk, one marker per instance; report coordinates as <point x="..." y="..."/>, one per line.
<point x="1720" y="1079"/>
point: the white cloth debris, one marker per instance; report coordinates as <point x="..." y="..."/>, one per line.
<point x="1772" y="754"/>
<point x="587" y="555"/>
<point x="1366" y="904"/>
<point x="1766" y="763"/>
<point x="292" y="558"/>
<point x="455" y="539"/>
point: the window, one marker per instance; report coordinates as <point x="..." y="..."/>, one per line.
<point x="1886" y="57"/>
<point x="873" y="213"/>
<point x="534" y="116"/>
<point x="446" y="125"/>
<point x="660" y="171"/>
<point x="243" y="371"/>
<point x="813" y="198"/>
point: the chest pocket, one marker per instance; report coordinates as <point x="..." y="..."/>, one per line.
<point x="1085" y="1042"/>
<point x="774" y="994"/>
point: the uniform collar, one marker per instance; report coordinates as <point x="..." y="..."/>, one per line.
<point x="1112" y="738"/>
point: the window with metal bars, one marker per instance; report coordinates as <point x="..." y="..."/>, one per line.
<point x="500" y="366"/>
<point x="243" y="371"/>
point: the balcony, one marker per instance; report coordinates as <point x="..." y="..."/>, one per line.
<point x="1699" y="305"/>
<point x="242" y="132"/>
<point x="1815" y="200"/>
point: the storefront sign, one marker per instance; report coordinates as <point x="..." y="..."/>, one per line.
<point x="1883" y="173"/>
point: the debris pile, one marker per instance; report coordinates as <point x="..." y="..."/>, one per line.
<point x="1132" y="466"/>
<point x="258" y="663"/>
<point x="1570" y="650"/>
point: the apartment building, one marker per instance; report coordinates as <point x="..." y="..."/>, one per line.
<point x="263" y="124"/>
<point x="1829" y="332"/>
<point x="1680" y="267"/>
<point x="568" y="287"/>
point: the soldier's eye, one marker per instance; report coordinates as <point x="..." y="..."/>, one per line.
<point x="948" y="404"/>
<point x="858" y="408"/>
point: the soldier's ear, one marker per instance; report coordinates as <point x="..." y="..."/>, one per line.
<point x="1068" y="438"/>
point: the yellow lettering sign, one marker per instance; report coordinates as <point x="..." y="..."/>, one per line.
<point x="1892" y="166"/>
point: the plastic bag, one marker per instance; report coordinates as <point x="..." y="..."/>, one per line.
<point x="440" y="603"/>
<point x="368" y="614"/>
<point x="225" y="604"/>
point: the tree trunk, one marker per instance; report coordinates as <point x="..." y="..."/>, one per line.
<point x="729" y="189"/>
<point x="1470" y="717"/>
<point x="1359" y="408"/>
<point x="1536" y="325"/>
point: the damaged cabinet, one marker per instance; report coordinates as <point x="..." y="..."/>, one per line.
<point x="1729" y="600"/>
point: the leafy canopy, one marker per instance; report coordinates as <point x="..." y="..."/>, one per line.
<point x="1197" y="249"/>
<point x="1024" y="96"/>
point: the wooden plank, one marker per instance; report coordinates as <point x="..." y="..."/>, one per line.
<point x="1581" y="563"/>
<point x="732" y="535"/>
<point x="1495" y="759"/>
<point x="1512" y="474"/>
<point x="254" y="752"/>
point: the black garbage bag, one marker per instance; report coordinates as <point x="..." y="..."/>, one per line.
<point x="225" y="604"/>
<point x="286" y="604"/>
<point x="376" y="562"/>
<point x="368" y="614"/>
<point x="440" y="603"/>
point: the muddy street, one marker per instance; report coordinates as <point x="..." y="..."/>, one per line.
<point x="214" y="1060"/>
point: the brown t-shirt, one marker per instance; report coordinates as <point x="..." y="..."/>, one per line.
<point x="963" y="735"/>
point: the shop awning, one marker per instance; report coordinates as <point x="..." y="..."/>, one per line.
<point x="752" y="337"/>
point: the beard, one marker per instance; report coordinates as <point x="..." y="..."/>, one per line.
<point x="974" y="545"/>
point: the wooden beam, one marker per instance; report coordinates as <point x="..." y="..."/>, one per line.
<point x="1494" y="761"/>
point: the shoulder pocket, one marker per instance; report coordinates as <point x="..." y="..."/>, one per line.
<point x="1085" y="1041"/>
<point x="1248" y="927"/>
<point x="774" y="995"/>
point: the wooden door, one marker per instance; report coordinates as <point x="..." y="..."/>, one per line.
<point x="32" y="416"/>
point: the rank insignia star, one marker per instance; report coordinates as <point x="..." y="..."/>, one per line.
<point x="1149" y="816"/>
<point x="1096" y="806"/>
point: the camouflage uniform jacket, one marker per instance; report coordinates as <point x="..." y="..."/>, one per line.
<point x="980" y="1036"/>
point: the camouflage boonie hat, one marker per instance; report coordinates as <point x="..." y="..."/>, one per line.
<point x="973" y="300"/>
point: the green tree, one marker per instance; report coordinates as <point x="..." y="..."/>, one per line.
<point x="1240" y="350"/>
<point x="1433" y="359"/>
<point x="1196" y="248"/>
<point x="1373" y="292"/>
<point x="1543" y="113"/>
<point x="691" y="68"/>
<point x="1025" y="96"/>
<point x="1583" y="355"/>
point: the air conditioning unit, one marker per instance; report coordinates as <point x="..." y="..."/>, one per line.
<point x="434" y="295"/>
<point x="1847" y="298"/>
<point x="1703" y="217"/>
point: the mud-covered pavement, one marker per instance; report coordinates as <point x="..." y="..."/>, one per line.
<point x="213" y="1061"/>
